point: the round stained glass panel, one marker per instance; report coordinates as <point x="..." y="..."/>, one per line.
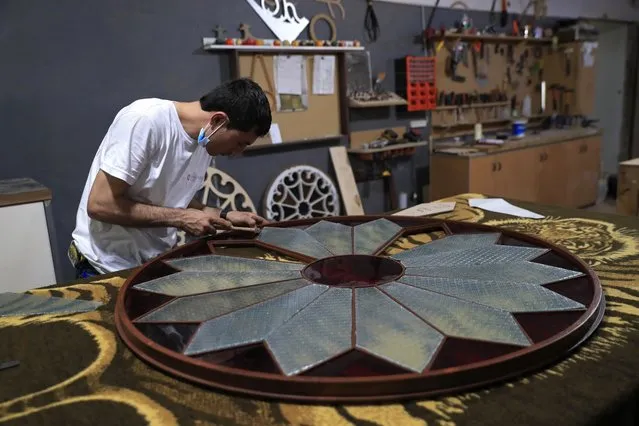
<point x="359" y="309"/>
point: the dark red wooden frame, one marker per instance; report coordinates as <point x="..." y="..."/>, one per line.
<point x="361" y="389"/>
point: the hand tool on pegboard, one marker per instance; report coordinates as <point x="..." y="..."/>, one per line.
<point x="504" y="13"/>
<point x="454" y="59"/>
<point x="429" y="33"/>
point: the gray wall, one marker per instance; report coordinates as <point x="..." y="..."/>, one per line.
<point x="68" y="66"/>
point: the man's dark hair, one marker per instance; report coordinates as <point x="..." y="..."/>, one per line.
<point x="244" y="102"/>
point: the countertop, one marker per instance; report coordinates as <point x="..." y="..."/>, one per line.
<point x="544" y="137"/>
<point x="22" y="191"/>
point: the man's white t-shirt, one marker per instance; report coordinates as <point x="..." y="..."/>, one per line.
<point x="147" y="147"/>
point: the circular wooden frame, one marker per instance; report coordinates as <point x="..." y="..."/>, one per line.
<point x="313" y="389"/>
<point x="328" y="20"/>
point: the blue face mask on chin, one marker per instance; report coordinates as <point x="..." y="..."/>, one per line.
<point x="203" y="139"/>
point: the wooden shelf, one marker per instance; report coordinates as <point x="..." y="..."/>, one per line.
<point x="394" y="100"/>
<point x="208" y="43"/>
<point x="494" y="38"/>
<point x="399" y="146"/>
<point x="335" y="139"/>
<point x="479" y="105"/>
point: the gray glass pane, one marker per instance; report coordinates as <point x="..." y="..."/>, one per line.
<point x="337" y="238"/>
<point x="16" y="304"/>
<point x="390" y="331"/>
<point x="370" y="236"/>
<point x="453" y="242"/>
<point x="188" y="283"/>
<point x="458" y="318"/>
<point x="512" y="297"/>
<point x="294" y="240"/>
<point x="251" y="324"/>
<point x="217" y="263"/>
<point x="476" y="256"/>
<point x="203" y="307"/>
<point x="319" y="332"/>
<point x="521" y="272"/>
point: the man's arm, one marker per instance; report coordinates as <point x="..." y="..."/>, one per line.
<point x="108" y="203"/>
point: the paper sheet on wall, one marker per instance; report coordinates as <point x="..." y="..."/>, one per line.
<point x="499" y="205"/>
<point x="291" y="83"/>
<point x="276" y="135"/>
<point x="588" y="54"/>
<point x="289" y="74"/>
<point x="323" y="75"/>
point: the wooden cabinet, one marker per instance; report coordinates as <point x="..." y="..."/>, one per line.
<point x="26" y="256"/>
<point x="628" y="188"/>
<point x="562" y="173"/>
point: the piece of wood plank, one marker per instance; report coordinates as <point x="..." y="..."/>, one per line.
<point x="346" y="181"/>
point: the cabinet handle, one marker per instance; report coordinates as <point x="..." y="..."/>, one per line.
<point x="541" y="157"/>
<point x="494" y="167"/>
<point x="499" y="165"/>
<point x="583" y="148"/>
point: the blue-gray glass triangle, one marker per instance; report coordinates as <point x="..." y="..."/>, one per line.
<point x="220" y="263"/>
<point x="318" y="333"/>
<point x="509" y="296"/>
<point x="188" y="283"/>
<point x="337" y="238"/>
<point x="450" y="243"/>
<point x="521" y="272"/>
<point x="296" y="240"/>
<point x="21" y="304"/>
<point x="389" y="331"/>
<point x="476" y="256"/>
<point x="458" y="318"/>
<point x="203" y="307"/>
<point x="369" y="237"/>
<point x="253" y="323"/>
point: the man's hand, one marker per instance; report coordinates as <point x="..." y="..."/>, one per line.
<point x="246" y="219"/>
<point x="201" y="222"/>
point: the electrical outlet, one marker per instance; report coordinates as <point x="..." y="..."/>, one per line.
<point x="418" y="124"/>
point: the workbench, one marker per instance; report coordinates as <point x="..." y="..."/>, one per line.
<point x="556" y="167"/>
<point x="74" y="369"/>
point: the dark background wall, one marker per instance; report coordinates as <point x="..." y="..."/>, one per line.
<point x="68" y="66"/>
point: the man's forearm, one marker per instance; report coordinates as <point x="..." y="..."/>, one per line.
<point x="126" y="212"/>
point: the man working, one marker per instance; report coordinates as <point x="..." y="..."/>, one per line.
<point x="151" y="163"/>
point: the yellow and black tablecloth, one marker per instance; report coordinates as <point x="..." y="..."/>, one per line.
<point x="74" y="369"/>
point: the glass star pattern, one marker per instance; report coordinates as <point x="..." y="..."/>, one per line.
<point x="463" y="286"/>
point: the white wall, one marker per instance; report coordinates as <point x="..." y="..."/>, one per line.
<point x="609" y="90"/>
<point x="614" y="9"/>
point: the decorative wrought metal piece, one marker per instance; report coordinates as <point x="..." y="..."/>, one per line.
<point x="18" y="304"/>
<point x="301" y="192"/>
<point x="352" y="313"/>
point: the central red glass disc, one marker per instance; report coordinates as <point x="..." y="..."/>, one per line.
<point x="355" y="270"/>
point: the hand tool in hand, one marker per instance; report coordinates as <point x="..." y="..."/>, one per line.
<point x="8" y="364"/>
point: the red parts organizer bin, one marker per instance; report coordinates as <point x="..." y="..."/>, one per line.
<point x="421" y="92"/>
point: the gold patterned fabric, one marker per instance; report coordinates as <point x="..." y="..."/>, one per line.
<point x="75" y="370"/>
